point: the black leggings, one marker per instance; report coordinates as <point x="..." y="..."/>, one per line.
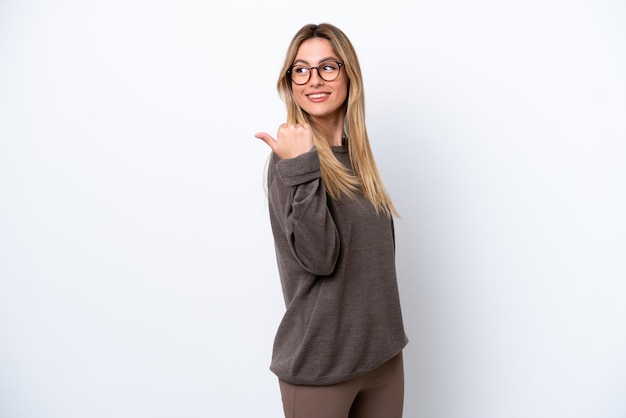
<point x="377" y="394"/>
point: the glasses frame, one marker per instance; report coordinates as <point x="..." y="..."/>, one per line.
<point x="319" y="73"/>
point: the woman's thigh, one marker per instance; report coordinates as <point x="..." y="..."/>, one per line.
<point x="382" y="392"/>
<point x="377" y="394"/>
<point x="333" y="401"/>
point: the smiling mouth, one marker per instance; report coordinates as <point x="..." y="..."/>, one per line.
<point x="318" y="95"/>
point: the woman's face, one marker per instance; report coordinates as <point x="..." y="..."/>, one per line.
<point x="321" y="99"/>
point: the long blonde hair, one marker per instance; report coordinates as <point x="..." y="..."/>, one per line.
<point x="336" y="177"/>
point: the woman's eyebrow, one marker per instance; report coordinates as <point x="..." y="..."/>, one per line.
<point x="321" y="61"/>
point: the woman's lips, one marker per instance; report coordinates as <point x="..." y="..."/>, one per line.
<point x="318" y="97"/>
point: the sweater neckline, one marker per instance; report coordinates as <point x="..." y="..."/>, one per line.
<point x="343" y="148"/>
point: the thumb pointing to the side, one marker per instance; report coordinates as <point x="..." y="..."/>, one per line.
<point x="267" y="138"/>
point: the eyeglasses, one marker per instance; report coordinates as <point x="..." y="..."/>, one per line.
<point x="328" y="71"/>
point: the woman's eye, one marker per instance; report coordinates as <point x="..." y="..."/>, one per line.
<point x="300" y="70"/>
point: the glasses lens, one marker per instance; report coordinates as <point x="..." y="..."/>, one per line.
<point x="329" y="70"/>
<point x="300" y="74"/>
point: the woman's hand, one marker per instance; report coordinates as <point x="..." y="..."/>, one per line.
<point x="291" y="141"/>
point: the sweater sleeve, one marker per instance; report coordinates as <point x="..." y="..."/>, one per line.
<point x="300" y="215"/>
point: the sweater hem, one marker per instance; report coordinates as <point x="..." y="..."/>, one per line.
<point x="333" y="380"/>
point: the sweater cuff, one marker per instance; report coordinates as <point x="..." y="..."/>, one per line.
<point x="301" y="169"/>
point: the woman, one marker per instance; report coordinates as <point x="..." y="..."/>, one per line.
<point x="338" y="349"/>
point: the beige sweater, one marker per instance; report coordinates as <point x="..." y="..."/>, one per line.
<point x="337" y="268"/>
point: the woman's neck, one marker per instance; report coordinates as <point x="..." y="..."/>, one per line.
<point x="333" y="128"/>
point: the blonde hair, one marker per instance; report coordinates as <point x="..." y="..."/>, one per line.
<point x="336" y="177"/>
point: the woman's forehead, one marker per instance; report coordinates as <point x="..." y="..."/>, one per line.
<point x="315" y="50"/>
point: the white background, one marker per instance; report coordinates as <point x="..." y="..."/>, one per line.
<point x="137" y="270"/>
